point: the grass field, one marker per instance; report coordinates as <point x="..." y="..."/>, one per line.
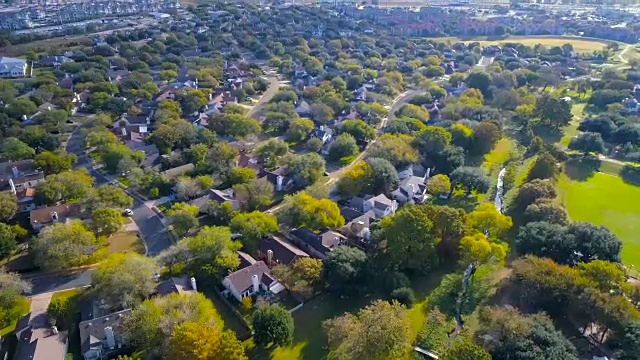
<point x="579" y="45"/>
<point x="23" y="308"/>
<point x="125" y="241"/>
<point x="604" y="199"/>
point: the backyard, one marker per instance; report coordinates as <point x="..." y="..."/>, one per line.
<point x="603" y="199"/>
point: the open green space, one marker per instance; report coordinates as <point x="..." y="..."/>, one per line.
<point x="603" y="199"/>
<point x="125" y="241"/>
<point x="579" y="44"/>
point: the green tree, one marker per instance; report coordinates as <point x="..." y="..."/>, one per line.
<point x="106" y="221"/>
<point x="359" y="129"/>
<point x="471" y="179"/>
<point x="254" y="194"/>
<point x="629" y="343"/>
<point x="405" y="240"/>
<point x="299" y="129"/>
<point x="242" y="175"/>
<point x="489" y="221"/>
<point x="14" y="149"/>
<point x="343" y="269"/>
<point x="478" y="249"/>
<point x="7" y="240"/>
<point x="272" y="325"/>
<point x="8" y="206"/>
<point x="588" y="143"/>
<point x="479" y="80"/>
<point x="21" y="107"/>
<point x="59" y="309"/>
<point x="183" y="221"/>
<point x="64" y="245"/>
<point x="202" y="341"/>
<point x="253" y="226"/>
<point x="385" y="177"/>
<point x="465" y="350"/>
<point x="108" y="196"/>
<point x="65" y="186"/>
<point x="303" y="210"/>
<point x="344" y="146"/>
<point x="356" y="180"/>
<point x="485" y="137"/>
<point x="379" y="331"/>
<point x="433" y="139"/>
<point x="271" y="151"/>
<point x="396" y="149"/>
<point x="55" y="162"/>
<point x="125" y="278"/>
<point x="305" y="169"/>
<point x="553" y="111"/>
<point x="439" y="184"/>
<point x="532" y="191"/>
<point x="149" y="328"/>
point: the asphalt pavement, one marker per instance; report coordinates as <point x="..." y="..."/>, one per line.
<point x="151" y="227"/>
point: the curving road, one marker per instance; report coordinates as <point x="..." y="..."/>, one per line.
<point x="151" y="228"/>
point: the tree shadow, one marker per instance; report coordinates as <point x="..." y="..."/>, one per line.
<point x="582" y="168"/>
<point x="548" y="134"/>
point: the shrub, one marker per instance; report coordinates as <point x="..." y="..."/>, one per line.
<point x="404" y="296"/>
<point x="59" y="309"/>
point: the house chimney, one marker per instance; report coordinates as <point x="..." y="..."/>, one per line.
<point x="111" y="341"/>
<point x="54" y="216"/>
<point x="279" y="181"/>
<point x="123" y="130"/>
<point x="322" y="127"/>
<point x="269" y="257"/>
<point x="256" y="283"/>
<point x="54" y="330"/>
<point x="14" y="171"/>
<point x="230" y="193"/>
<point x="193" y="284"/>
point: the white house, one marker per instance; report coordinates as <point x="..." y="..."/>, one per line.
<point x="12" y="67"/>
<point x="381" y="205"/>
<point x="250" y="281"/>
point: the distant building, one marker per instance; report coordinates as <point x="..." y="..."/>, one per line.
<point x="12" y="67"/>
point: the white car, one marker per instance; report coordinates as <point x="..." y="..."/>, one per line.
<point x="128" y="212"/>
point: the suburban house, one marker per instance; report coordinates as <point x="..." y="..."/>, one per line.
<point x="254" y="279"/>
<point x="53" y="61"/>
<point x="357" y="224"/>
<point x="79" y="100"/>
<point x="223" y="196"/>
<point x="39" y="341"/>
<point x="317" y="245"/>
<point x="42" y="217"/>
<point x="412" y="189"/>
<point x="173" y="173"/>
<point x="26" y="201"/>
<point x="12" y="67"/>
<point x="220" y="196"/>
<point x="279" y="179"/>
<point x="321" y="133"/>
<point x="22" y="182"/>
<point x="138" y="123"/>
<point x="101" y="336"/>
<point x="251" y="161"/>
<point x="177" y="284"/>
<point x="303" y="109"/>
<point x="116" y="76"/>
<point x="381" y="205"/>
<point x="276" y="251"/>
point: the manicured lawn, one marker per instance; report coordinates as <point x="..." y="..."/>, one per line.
<point x="125" y="241"/>
<point x="572" y="129"/>
<point x="65" y="294"/>
<point x="499" y="155"/>
<point x="605" y="199"/>
<point x="23" y="306"/>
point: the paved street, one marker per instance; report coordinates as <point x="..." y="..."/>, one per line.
<point x="151" y="228"/>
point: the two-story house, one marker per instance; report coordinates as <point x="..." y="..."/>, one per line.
<point x="318" y="245"/>
<point x="381" y="205"/>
